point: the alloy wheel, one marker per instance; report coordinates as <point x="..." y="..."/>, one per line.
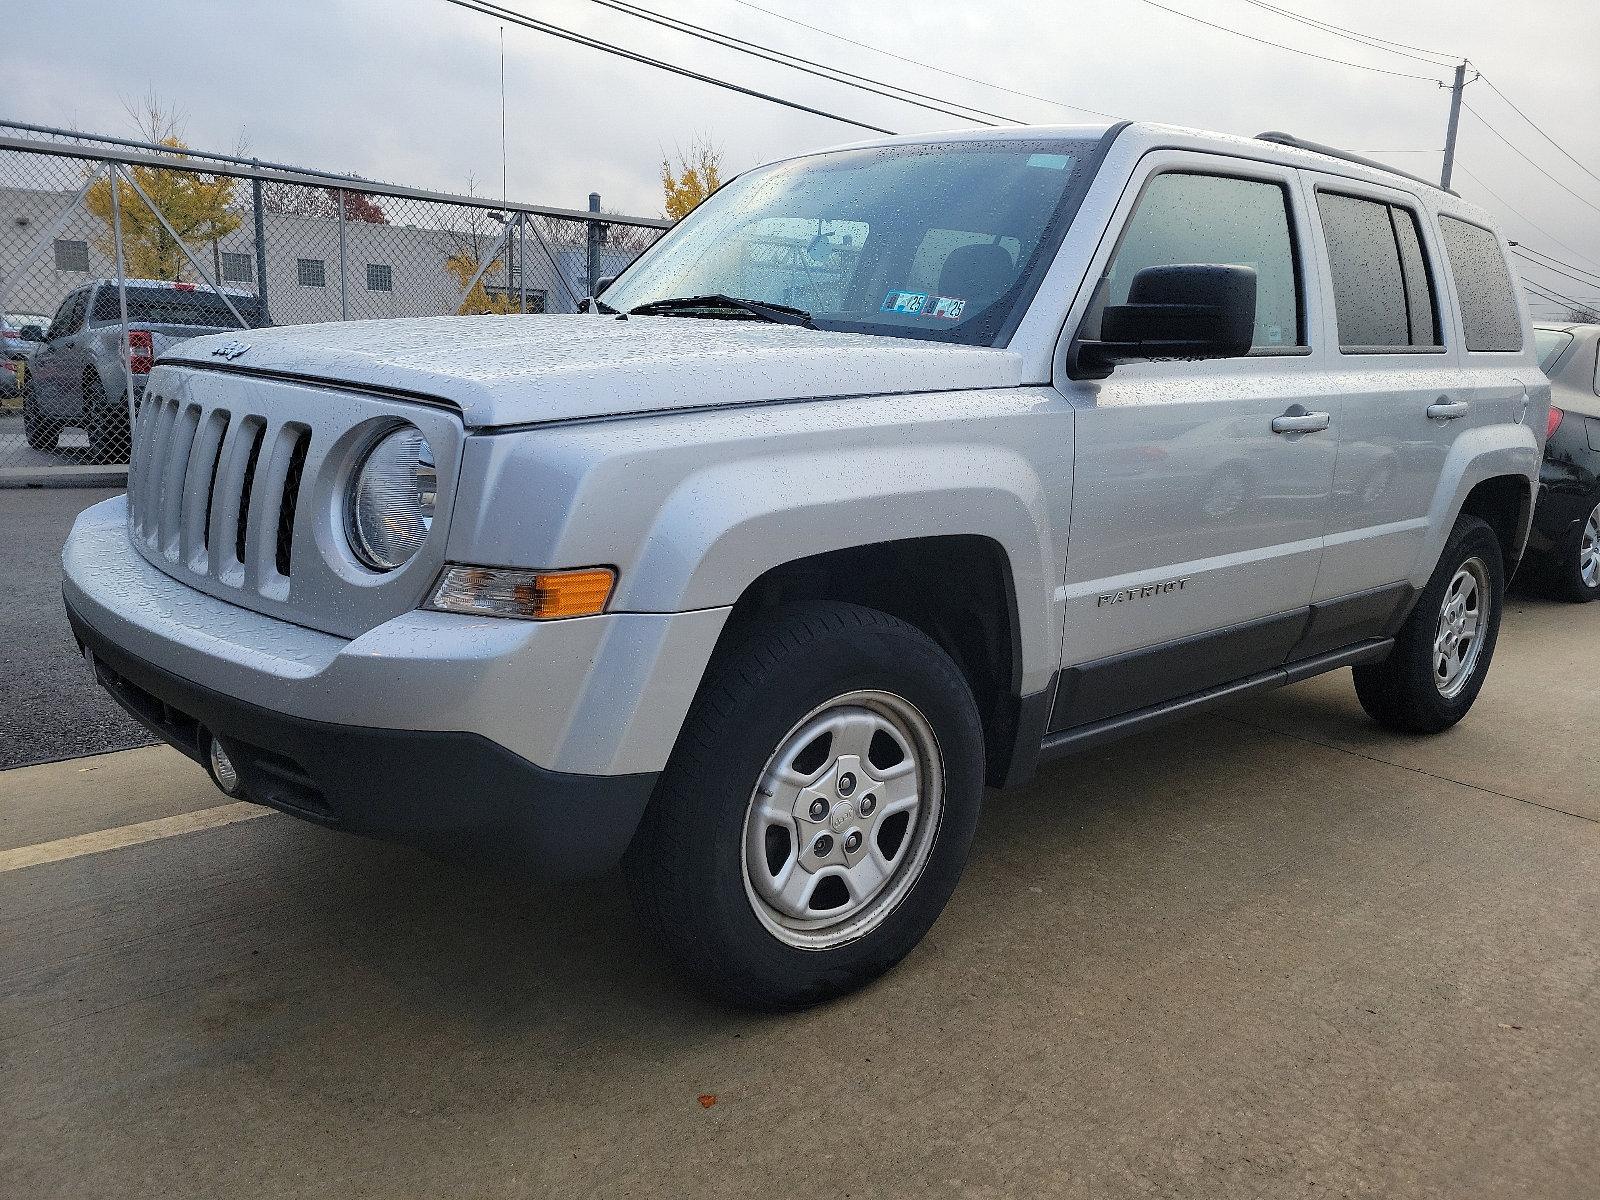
<point x="841" y="823"/>
<point x="1458" y="640"/>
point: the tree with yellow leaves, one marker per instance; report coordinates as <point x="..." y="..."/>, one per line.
<point x="698" y="174"/>
<point x="464" y="265"/>
<point x="197" y="206"/>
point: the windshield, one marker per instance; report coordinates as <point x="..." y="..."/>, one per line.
<point x="945" y="240"/>
<point x="174" y="306"/>
<point x="1550" y="343"/>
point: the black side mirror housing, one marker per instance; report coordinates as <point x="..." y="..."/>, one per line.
<point x="1192" y="311"/>
<point x="592" y="303"/>
<point x="31" y="333"/>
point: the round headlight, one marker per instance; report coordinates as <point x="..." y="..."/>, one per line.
<point x="392" y="499"/>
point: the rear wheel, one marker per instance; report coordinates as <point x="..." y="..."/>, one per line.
<point x="1441" y="655"/>
<point x="41" y="432"/>
<point x="110" y="434"/>
<point x="817" y="810"/>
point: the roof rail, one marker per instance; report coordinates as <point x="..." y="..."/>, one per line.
<point x="1288" y="139"/>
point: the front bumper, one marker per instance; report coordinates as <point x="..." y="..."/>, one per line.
<point x="450" y="792"/>
<point x="540" y="739"/>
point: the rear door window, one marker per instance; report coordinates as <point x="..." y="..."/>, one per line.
<point x="1185" y="218"/>
<point x="1489" y="317"/>
<point x="1383" y="296"/>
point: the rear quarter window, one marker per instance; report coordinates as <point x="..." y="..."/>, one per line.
<point x="1489" y="318"/>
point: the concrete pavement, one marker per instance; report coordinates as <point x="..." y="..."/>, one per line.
<point x="1272" y="952"/>
<point x="51" y="707"/>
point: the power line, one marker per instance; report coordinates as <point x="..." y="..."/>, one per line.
<point x="794" y="62"/>
<point x="917" y="62"/>
<point x="1565" y="274"/>
<point x="1250" y="37"/>
<point x="1554" y="296"/>
<point x="1536" y="128"/>
<point x="1511" y="208"/>
<point x="1559" y="266"/>
<point x="1528" y="160"/>
<point x="1365" y="39"/>
<point x="485" y="9"/>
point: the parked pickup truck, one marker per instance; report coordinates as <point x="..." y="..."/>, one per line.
<point x="890" y="472"/>
<point x="76" y="377"/>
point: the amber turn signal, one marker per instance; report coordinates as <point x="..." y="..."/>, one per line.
<point x="531" y="595"/>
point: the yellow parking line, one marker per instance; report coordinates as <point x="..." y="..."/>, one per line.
<point x="129" y="835"/>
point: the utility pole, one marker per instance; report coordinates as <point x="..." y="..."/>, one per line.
<point x="261" y="244"/>
<point x="591" y="237"/>
<point x="1455" y="120"/>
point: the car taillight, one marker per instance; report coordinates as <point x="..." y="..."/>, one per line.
<point x="1553" y="424"/>
<point x="141" y="351"/>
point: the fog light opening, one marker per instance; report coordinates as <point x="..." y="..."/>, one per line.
<point x="223" y="773"/>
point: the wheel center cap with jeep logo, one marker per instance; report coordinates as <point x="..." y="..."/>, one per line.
<point x="843" y="814"/>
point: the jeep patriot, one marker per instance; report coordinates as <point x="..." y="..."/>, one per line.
<point x="889" y="473"/>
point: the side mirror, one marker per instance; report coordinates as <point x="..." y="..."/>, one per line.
<point x="31" y="333"/>
<point x="1192" y="311"/>
<point x="592" y="303"/>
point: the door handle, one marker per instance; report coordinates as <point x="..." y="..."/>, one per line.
<point x="1298" y="420"/>
<point x="1448" y="410"/>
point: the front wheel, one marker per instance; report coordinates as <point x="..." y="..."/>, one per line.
<point x="1441" y="655"/>
<point x="817" y="810"/>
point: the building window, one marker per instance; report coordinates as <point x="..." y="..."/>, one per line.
<point x="71" y="255"/>
<point x="237" y="268"/>
<point x="380" y="277"/>
<point x="537" y="298"/>
<point x="313" y="272"/>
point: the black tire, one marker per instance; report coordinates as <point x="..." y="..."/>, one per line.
<point x="40" y="432"/>
<point x="687" y="866"/>
<point x="1403" y="692"/>
<point x="110" y="435"/>
<point x="1564" y="575"/>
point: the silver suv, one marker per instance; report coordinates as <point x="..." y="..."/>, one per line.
<point x="891" y="472"/>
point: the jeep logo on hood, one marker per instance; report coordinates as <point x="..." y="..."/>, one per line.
<point x="230" y="350"/>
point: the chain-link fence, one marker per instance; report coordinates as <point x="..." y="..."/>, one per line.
<point x="112" y="250"/>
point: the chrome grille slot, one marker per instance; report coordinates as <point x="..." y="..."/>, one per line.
<point x="200" y="483"/>
<point x="283" y="558"/>
<point x="169" y="495"/>
<point x="248" y="496"/>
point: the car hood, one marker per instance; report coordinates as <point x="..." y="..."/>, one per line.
<point x="514" y="370"/>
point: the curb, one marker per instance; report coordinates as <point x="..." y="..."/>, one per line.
<point x="63" y="477"/>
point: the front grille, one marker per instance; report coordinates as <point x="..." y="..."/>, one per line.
<point x="215" y="492"/>
<point x="236" y="488"/>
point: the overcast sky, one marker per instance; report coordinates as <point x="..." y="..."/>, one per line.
<point x="409" y="90"/>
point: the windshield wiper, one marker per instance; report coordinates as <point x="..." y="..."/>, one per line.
<point x="781" y="314"/>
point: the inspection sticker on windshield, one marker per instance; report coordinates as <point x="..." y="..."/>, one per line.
<point x="909" y="303"/>
<point x="946" y="308"/>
